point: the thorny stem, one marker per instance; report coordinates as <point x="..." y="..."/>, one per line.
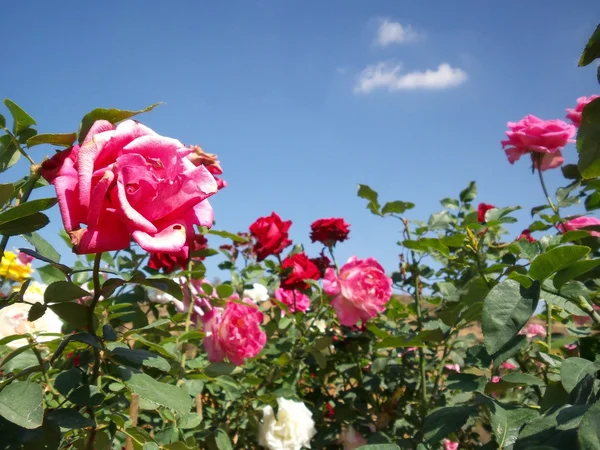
<point x="422" y="372"/>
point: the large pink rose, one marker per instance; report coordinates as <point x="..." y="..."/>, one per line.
<point x="291" y="298"/>
<point x="543" y="139"/>
<point x="580" y="222"/>
<point x="575" y="114"/>
<point x="127" y="181"/>
<point x="234" y="333"/>
<point x="360" y="291"/>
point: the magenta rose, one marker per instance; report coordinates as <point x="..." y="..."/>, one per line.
<point x="234" y="333"/>
<point x="125" y="182"/>
<point x="542" y="139"/>
<point x="580" y="222"/>
<point x="360" y="291"/>
<point x="291" y="298"/>
<point x="574" y="115"/>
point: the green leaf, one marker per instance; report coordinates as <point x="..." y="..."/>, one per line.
<point x="420" y="340"/>
<point x="589" y="429"/>
<point x="112" y="115"/>
<point x="443" y="421"/>
<point x="161" y="283"/>
<point x="450" y="203"/>
<point x="50" y="273"/>
<point x="592" y="49"/>
<point x="162" y="394"/>
<point x="74" y="314"/>
<point x="60" y="139"/>
<point x="469" y="193"/>
<point x="6" y="193"/>
<point x="27" y="209"/>
<point x="522" y="378"/>
<point x="509" y="349"/>
<point x="222" y="440"/>
<point x="217" y="369"/>
<point x="369" y="194"/>
<point x="588" y="141"/>
<point x="380" y="447"/>
<point x="64" y="291"/>
<point x="225" y="290"/>
<point x="192" y="420"/>
<point x="2" y="121"/>
<point x="506" y="309"/>
<point x="22" y="225"/>
<point x="9" y="155"/>
<point x="439" y="221"/>
<point x="70" y="419"/>
<point x="573" y="271"/>
<point x="506" y="423"/>
<point x="42" y="246"/>
<point x="573" y="370"/>
<point x="36" y="311"/>
<point x="396" y="207"/>
<point x="21" y="403"/>
<point x="556" y="259"/>
<point x="22" y="120"/>
<point x="227" y="235"/>
<point x="137" y="358"/>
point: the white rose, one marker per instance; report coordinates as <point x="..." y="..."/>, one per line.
<point x="352" y="439"/>
<point x="13" y="319"/>
<point x="292" y="429"/>
<point x="320" y="325"/>
<point x="258" y="293"/>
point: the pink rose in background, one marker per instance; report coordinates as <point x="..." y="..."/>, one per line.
<point x="450" y="445"/>
<point x="495" y="379"/>
<point x="574" y="115"/>
<point x="508" y="365"/>
<point x="452" y="367"/>
<point x="534" y="329"/>
<point x="544" y="138"/>
<point x="234" y="333"/>
<point x="129" y="182"/>
<point x="360" y="291"/>
<point x="352" y="439"/>
<point x="578" y="223"/>
<point x="570" y="346"/>
<point x="286" y="297"/>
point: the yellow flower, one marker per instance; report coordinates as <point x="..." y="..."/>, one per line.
<point x="13" y="269"/>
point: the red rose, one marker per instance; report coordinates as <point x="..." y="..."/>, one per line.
<point x="526" y="234"/>
<point x="271" y="234"/>
<point x="169" y="262"/>
<point x="322" y="262"/>
<point x="329" y="231"/>
<point x="481" y="210"/>
<point x="297" y="269"/>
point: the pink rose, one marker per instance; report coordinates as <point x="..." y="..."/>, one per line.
<point x="352" y="439"/>
<point x="534" y="329"/>
<point x="291" y="298"/>
<point x="128" y="182"/>
<point x="570" y="346"/>
<point x="543" y="139"/>
<point x="360" y="290"/>
<point x="450" y="445"/>
<point x="452" y="367"/>
<point x="495" y="379"/>
<point x="580" y="222"/>
<point x="574" y="115"/>
<point x="508" y="365"/>
<point x="234" y="333"/>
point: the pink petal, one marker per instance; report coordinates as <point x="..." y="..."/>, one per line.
<point x="169" y="240"/>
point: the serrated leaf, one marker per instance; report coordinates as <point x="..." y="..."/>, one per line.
<point x="22" y="120"/>
<point x="592" y="49"/>
<point x="369" y="194"/>
<point x="138" y="358"/>
<point x="573" y="271"/>
<point x="64" y="291"/>
<point x="60" y="139"/>
<point x="42" y="246"/>
<point x="556" y="259"/>
<point x="36" y="311"/>
<point x="21" y="404"/>
<point x="396" y="207"/>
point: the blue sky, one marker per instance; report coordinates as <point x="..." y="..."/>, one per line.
<point x="303" y="100"/>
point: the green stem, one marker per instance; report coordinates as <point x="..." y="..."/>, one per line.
<point x="35" y="175"/>
<point x="337" y="270"/>
<point x="188" y="317"/>
<point x="91" y="316"/>
<point x="549" y="326"/>
<point x="550" y="202"/>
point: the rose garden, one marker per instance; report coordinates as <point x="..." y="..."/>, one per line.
<point x="476" y="339"/>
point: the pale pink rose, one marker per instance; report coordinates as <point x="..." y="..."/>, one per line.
<point x="452" y="367"/>
<point x="352" y="439"/>
<point x="129" y="182"/>
<point x="540" y="137"/>
<point x="580" y="222"/>
<point x="234" y="333"/>
<point x="450" y="445"/>
<point x="534" y="329"/>
<point x="360" y="291"/>
<point x="495" y="379"/>
<point x="288" y="297"/>
<point x="571" y="346"/>
<point x="575" y="114"/>
<point x="508" y="365"/>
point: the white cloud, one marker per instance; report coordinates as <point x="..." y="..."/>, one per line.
<point x="387" y="76"/>
<point x="390" y="32"/>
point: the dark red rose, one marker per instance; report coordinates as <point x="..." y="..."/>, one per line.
<point x="298" y="268"/>
<point x="168" y="262"/>
<point x="526" y="234"/>
<point x="330" y="413"/>
<point x="271" y="235"/>
<point x="322" y="262"/>
<point x="481" y="210"/>
<point x="329" y="231"/>
<point x="51" y="166"/>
